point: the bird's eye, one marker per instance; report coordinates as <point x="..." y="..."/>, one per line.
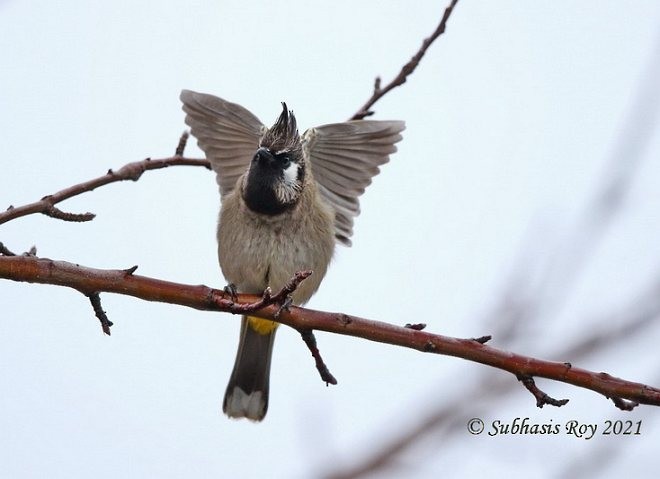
<point x="283" y="160"/>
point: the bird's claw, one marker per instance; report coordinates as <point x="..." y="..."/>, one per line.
<point x="284" y="306"/>
<point x="267" y="294"/>
<point x="230" y="289"/>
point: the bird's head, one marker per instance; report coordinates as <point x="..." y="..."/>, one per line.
<point x="275" y="179"/>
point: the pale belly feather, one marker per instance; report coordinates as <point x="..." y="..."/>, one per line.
<point x="255" y="252"/>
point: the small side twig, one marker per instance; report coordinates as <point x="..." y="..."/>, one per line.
<point x="406" y="70"/>
<point x="4" y="251"/>
<point x="283" y="299"/>
<point x="310" y="341"/>
<point x="624" y="405"/>
<point x="541" y="398"/>
<point x="483" y="339"/>
<point x="267" y="298"/>
<point x="130" y="171"/>
<point x="416" y="326"/>
<point x="183" y="141"/>
<point x="57" y="213"/>
<point x="95" y="299"/>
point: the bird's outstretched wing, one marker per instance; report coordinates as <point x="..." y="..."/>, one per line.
<point x="226" y="132"/>
<point x="344" y="158"/>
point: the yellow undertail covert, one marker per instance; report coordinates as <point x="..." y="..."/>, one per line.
<point x="262" y="326"/>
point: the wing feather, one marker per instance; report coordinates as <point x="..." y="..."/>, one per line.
<point x="227" y="133"/>
<point x="344" y="158"/>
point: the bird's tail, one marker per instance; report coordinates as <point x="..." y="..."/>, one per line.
<point x="247" y="391"/>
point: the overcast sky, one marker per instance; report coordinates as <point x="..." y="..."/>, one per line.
<point x="515" y="119"/>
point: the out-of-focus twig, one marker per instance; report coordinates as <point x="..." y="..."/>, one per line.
<point x="618" y="327"/>
<point x="542" y="288"/>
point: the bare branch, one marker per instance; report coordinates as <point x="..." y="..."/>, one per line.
<point x="619" y="327"/>
<point x="89" y="280"/>
<point x="131" y="171"/>
<point x="406" y="70"/>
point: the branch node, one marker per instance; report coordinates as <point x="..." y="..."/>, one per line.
<point x="95" y="299"/>
<point x="132" y="171"/>
<point x="430" y="347"/>
<point x="541" y="398"/>
<point x="377" y="85"/>
<point x="483" y="339"/>
<point x="415" y="326"/>
<point x="624" y="404"/>
<point x="344" y="319"/>
<point x="131" y="270"/>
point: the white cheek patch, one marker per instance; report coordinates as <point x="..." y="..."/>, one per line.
<point x="289" y="188"/>
<point x="291" y="174"/>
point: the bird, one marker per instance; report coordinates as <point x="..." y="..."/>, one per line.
<point x="286" y="201"/>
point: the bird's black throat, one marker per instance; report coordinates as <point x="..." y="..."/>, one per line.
<point x="259" y="194"/>
<point x="262" y="199"/>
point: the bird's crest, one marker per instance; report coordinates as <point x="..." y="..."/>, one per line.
<point x="283" y="135"/>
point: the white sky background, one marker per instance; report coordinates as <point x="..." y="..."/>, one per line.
<point x="510" y="121"/>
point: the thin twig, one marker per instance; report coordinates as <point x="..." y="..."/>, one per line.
<point x="406" y="70"/>
<point x="310" y="341"/>
<point x="95" y="299"/>
<point x="131" y="171"/>
<point x="483" y="339"/>
<point x="183" y="141"/>
<point x="267" y="298"/>
<point x="58" y="214"/>
<point x="541" y="398"/>
<point x="4" y="251"/>
<point x="624" y="405"/>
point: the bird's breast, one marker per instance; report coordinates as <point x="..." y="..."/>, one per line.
<point x="257" y="251"/>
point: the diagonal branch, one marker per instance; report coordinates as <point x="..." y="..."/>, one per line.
<point x="130" y="171"/>
<point x="89" y="281"/>
<point x="406" y="70"/>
